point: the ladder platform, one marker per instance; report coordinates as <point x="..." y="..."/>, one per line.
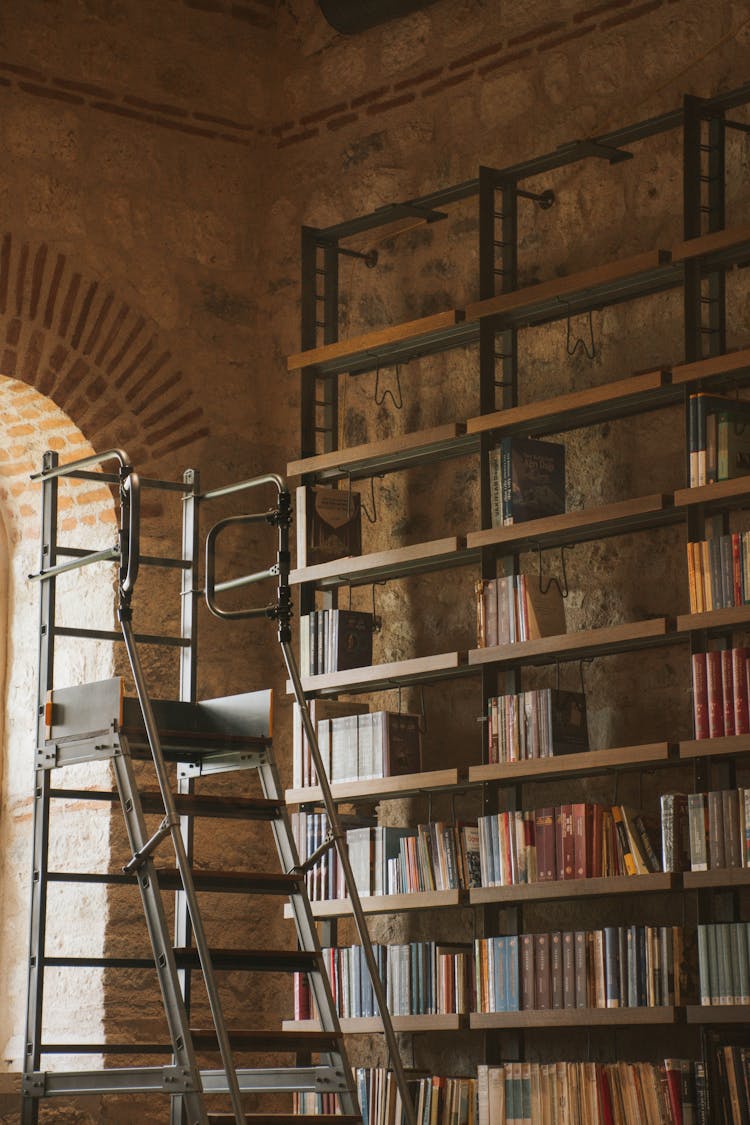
<point x="187" y="804"/>
<point x="223" y="882"/>
<point x="246" y="1042"/>
<point x="97" y="717"/>
<point x="228" y="960"/>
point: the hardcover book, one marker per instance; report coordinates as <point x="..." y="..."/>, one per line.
<point x="531" y="481"/>
<point x="329" y="524"/>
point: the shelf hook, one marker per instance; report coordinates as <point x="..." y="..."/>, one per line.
<point x="562" y="586"/>
<point x="377" y="622"/>
<point x="398" y="403"/>
<point x="572" y="346"/>
<point x="371" y="515"/>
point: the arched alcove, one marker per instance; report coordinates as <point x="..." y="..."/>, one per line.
<point x="79" y="834"/>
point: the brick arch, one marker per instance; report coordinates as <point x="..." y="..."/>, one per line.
<point x="71" y="336"/>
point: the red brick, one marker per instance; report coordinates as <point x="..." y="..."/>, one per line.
<point x="130" y="370"/>
<point x="67" y="309"/>
<point x="370" y="96"/>
<point x="177" y="425"/>
<point x="21" y="429"/>
<point x="296" y="138"/>
<point x="284" y="127"/>
<point x="234" y="140"/>
<point x="391" y="103"/>
<point x="84" y="88"/>
<point x="192" y="130"/>
<point x="49" y="92"/>
<point x="153" y="370"/>
<point x="24" y="71"/>
<point x="157" y="107"/>
<point x="475" y="56"/>
<point x="13" y="332"/>
<point x="322" y="114"/>
<point x="418" y="79"/>
<point x="182" y="443"/>
<point x="68" y="524"/>
<point x="165" y="409"/>
<point x="98" y="324"/>
<point x="21" y="277"/>
<point x="75" y="339"/>
<point x="132" y="336"/>
<point x="123" y="111"/>
<point x="227" y="122"/>
<point x="37" y="275"/>
<point x="446" y="83"/>
<point x="54" y="286"/>
<point x="340" y="122"/>
<point x="113" y="333"/>
<point x="32" y="358"/>
<point x="536" y="33"/>
<point x="505" y="60"/>
<point x="4" y="271"/>
<point x="589" y="13"/>
<point x="633" y="14"/>
<point x="578" y="33"/>
<point x="160" y="390"/>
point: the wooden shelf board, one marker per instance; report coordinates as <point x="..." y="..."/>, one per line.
<point x="377" y="788"/>
<point x="589" y="761"/>
<point x="369" y="1026"/>
<point x="401" y="452"/>
<point x="573" y="888"/>
<point x="393" y="344"/>
<point x="726" y="747"/>
<point x="720" y="494"/>
<point x="718" y="1013"/>
<point x="730" y="363"/>
<point x="718" y="877"/>
<point x="401" y="562"/>
<point x="588" y="642"/>
<point x="576" y="527"/>
<point x="380" y="677"/>
<point x="731" y="238"/>
<point x="550" y="300"/>
<point x="385" y="904"/>
<point x="714" y="619"/>
<point x="577" y="408"/>
<point x="572" y="1017"/>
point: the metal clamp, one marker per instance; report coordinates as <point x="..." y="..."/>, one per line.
<point x="139" y="858"/>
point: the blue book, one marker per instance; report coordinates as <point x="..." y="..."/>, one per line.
<point x="512" y="987"/>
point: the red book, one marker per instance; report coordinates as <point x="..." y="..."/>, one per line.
<point x="605" y="1096"/>
<point x="726" y="690"/>
<point x="739" y="690"/>
<point x="674" y="1086"/>
<point x="580" y="842"/>
<point x="715" y="695"/>
<point x="596" y="841"/>
<point x="568" y="843"/>
<point x="737" y="568"/>
<point x="700" y="694"/>
<point x="559" y="850"/>
<point x="544" y="831"/>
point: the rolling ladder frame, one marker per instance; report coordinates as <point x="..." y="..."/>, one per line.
<point x="182" y="1079"/>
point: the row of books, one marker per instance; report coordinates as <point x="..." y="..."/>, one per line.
<point x="527" y="480"/>
<point x="719" y="825"/>
<point x="422" y="978"/>
<point x="437" y="1100"/>
<point x="513" y="608"/>
<point x="355" y="743"/>
<point x="334" y="640"/>
<point x="536" y="724"/>
<point x="719" y="572"/>
<point x="729" y="1087"/>
<point x="325" y="880"/>
<point x="588" y="1093"/>
<point x="718" y="438"/>
<point x="720" y="693"/>
<point x="723" y="963"/>
<point x="613" y="967"/>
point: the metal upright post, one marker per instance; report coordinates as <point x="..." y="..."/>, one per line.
<point x="42" y="786"/>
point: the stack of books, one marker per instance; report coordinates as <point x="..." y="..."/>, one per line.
<point x="355" y="744"/>
<point x="719" y="829"/>
<point x="587" y="1093"/>
<point x="614" y="967"/>
<point x="536" y="724"/>
<point x="719" y="572"/>
<point x="514" y="609"/>
<point x="334" y="640"/>
<point x="437" y="1100"/>
<point x="720" y="693"/>
<point x="576" y="841"/>
<point x="718" y="438"/>
<point x="723" y="966"/>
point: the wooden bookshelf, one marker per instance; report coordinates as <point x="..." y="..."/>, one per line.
<point x="579" y="408"/>
<point x="573" y="1017"/>
<point x="732" y="238"/>
<point x="401" y="562"/>
<point x="573" y="765"/>
<point x="718" y="1013"/>
<point x="626" y="278"/>
<point x="575" y="888"/>
<point x="372" y="1025"/>
<point x="714" y="619"/>
<point x="720" y="494"/>
<point x="730" y="363"/>
<point x="718" y="877"/>
<point x="728" y="747"/>
<point x="579" y="526"/>
<point x="408" y="785"/>
<point x="380" y="677"/>
<point x="396" y="343"/>
<point x="405" y="451"/>
<point x="385" y="904"/>
<point x="575" y="646"/>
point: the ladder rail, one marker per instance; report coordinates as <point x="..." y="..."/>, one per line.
<point x="281" y="611"/>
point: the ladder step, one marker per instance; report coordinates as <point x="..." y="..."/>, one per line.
<point x="188" y="804"/>
<point x="281" y="1042"/>
<point x="240" y="960"/>
<point x="287" y="1118"/>
<point x="232" y="882"/>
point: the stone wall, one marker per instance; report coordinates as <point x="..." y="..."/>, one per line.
<point x="160" y="161"/>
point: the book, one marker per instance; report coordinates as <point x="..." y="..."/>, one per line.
<point x="527" y="480"/>
<point x="329" y="524"/>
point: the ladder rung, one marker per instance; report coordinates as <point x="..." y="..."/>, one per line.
<point x="223" y="882"/>
<point x="261" y="1042"/>
<point x="187" y="804"/>
<point x="240" y="960"/>
<point x="111" y="635"/>
<point x="286" y="1119"/>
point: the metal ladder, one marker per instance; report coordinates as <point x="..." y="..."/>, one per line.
<point x="94" y="722"/>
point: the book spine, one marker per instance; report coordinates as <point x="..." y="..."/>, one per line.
<point x="581" y="969"/>
<point x="716" y="850"/>
<point x="726" y="690"/>
<point x="542" y="979"/>
<point x="700" y="694"/>
<point x="612" y="966"/>
<point x="528" y="991"/>
<point x="739" y="691"/>
<point x="715" y="695"/>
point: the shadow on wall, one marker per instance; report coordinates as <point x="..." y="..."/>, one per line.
<point x="79" y="836"/>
